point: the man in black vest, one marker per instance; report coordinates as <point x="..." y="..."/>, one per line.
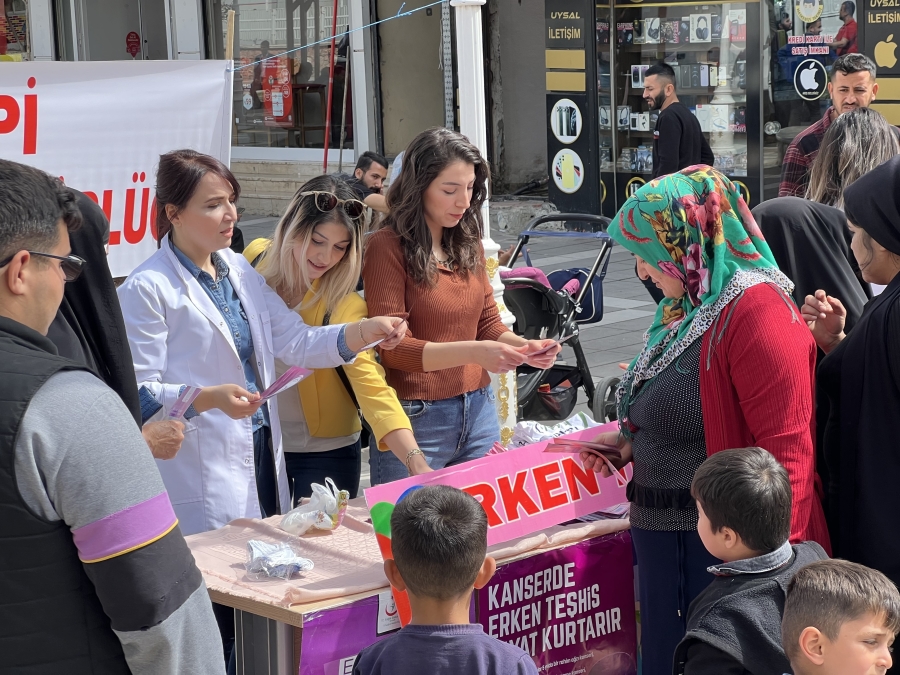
<point x="95" y="575"/>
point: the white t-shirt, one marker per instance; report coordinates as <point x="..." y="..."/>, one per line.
<point x="295" y="435"/>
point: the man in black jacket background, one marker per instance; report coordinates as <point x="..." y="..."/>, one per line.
<point x="677" y="140"/>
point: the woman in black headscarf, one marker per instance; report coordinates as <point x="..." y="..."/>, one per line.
<point x="861" y="378"/>
<point x="811" y="244"/>
<point x="88" y="327"/>
<point x="89" y="330"/>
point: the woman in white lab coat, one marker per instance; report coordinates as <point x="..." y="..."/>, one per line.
<point x="197" y="314"/>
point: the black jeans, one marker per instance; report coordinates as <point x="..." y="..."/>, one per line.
<point x="341" y="465"/>
<point x="266" y="479"/>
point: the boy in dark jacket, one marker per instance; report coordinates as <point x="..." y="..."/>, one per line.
<point x="734" y="627"/>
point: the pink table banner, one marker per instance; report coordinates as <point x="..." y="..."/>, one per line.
<point x="522" y="491"/>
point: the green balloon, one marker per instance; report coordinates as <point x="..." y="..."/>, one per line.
<point x="381" y="518"/>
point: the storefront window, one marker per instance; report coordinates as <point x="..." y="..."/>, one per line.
<point x="711" y="49"/>
<point x="15" y="44"/>
<point x="797" y="34"/>
<point x="283" y="101"/>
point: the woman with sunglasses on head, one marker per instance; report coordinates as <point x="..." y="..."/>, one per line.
<point x="313" y="263"/>
<point x="197" y="314"/>
<point x="427" y="262"/>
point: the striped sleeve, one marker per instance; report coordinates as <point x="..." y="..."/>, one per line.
<point x="80" y="459"/>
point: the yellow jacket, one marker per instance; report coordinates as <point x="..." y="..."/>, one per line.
<point x="327" y="406"/>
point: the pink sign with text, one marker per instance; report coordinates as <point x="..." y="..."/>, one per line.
<point x="524" y="490"/>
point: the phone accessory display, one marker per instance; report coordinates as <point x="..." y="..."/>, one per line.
<point x="623" y="116"/>
<point x="643" y="159"/>
<point x="625" y="33"/>
<point x="715" y="26"/>
<point x="740" y="74"/>
<point x="652" y="30"/>
<point x="670" y="32"/>
<point x="602" y="32"/>
<point x="737" y="25"/>
<point x="639" y="31"/>
<point x="700" y="28"/>
<point x="605" y="117"/>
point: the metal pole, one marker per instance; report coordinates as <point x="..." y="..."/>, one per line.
<point x="330" y="85"/>
<point x="344" y="107"/>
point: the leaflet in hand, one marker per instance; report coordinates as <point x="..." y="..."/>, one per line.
<point x="184" y="401"/>
<point x="600" y="450"/>
<point x="293" y="375"/>
<point x="549" y="347"/>
<point x="393" y="333"/>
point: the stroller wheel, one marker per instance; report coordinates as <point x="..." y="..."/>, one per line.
<point x="604" y="404"/>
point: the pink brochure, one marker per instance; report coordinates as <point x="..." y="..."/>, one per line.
<point x="524" y="490"/>
<point x="293" y="375"/>
<point x="184" y="401"/>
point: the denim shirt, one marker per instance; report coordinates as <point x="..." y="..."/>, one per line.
<point x="758" y="565"/>
<point x="224" y="297"/>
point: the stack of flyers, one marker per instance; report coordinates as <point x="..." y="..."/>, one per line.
<point x="496" y="449"/>
<point x="604" y="452"/>
<point x="292" y="376"/>
<point x="184" y="401"/>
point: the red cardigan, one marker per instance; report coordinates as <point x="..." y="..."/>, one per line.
<point x="759" y="391"/>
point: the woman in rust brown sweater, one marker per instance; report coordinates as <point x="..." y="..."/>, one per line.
<point x="427" y="262"/>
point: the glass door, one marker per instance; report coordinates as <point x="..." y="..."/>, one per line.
<point x="714" y="51"/>
<point x="606" y="42"/>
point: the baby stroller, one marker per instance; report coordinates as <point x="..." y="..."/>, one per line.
<point x="542" y="312"/>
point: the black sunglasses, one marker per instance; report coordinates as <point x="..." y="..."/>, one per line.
<point x="327" y="201"/>
<point x="71" y="265"/>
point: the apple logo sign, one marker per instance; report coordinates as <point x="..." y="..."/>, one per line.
<point x="884" y="53"/>
<point x="810" y="80"/>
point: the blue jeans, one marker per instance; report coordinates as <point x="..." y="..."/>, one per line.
<point x="449" y="431"/>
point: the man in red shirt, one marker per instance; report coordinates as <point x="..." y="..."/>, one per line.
<point x="852" y="86"/>
<point x="845" y="42"/>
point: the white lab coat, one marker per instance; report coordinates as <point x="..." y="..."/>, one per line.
<point x="178" y="337"/>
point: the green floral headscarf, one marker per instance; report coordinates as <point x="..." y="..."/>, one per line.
<point x="693" y="226"/>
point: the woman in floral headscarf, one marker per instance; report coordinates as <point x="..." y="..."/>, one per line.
<point x="727" y="363"/>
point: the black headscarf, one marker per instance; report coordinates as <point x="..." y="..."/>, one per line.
<point x="877" y="212"/>
<point x="88" y="327"/>
<point x="811" y="244"/>
<point x="863" y="375"/>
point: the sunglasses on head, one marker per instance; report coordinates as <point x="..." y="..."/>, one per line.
<point x="71" y="265"/>
<point x="327" y="201"/>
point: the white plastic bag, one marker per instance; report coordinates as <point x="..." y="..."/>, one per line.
<point x="324" y="511"/>
<point x="529" y="432"/>
<point x="267" y="560"/>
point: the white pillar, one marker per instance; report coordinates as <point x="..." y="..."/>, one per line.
<point x="361" y="79"/>
<point x="40" y="30"/>
<point x="473" y="124"/>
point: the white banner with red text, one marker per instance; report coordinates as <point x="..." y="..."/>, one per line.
<point x="102" y="125"/>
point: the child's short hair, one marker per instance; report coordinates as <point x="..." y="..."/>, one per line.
<point x="828" y="593"/>
<point x="439" y="541"/>
<point x="747" y="490"/>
